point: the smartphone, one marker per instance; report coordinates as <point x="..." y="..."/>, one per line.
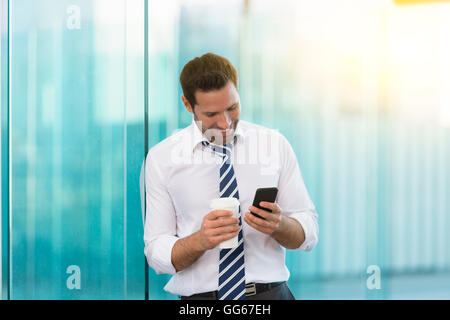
<point x="264" y="194"/>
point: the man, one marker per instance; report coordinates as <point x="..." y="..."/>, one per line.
<point x="220" y="155"/>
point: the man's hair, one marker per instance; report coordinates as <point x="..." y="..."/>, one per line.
<point x="206" y="73"/>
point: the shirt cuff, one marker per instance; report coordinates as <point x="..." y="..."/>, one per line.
<point x="159" y="254"/>
<point x="308" y="221"/>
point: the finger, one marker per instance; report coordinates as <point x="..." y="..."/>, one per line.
<point x="247" y="219"/>
<point x="223" y="230"/>
<point x="258" y="211"/>
<point x="218" y="214"/>
<point x="263" y="213"/>
<point x="223" y="237"/>
<point x="223" y="222"/>
<point x="260" y="222"/>
<point x="272" y="206"/>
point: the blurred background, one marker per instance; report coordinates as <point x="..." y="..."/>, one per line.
<point x="360" y="89"/>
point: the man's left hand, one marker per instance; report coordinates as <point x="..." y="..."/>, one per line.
<point x="273" y="219"/>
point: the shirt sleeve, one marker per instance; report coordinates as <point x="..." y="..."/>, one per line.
<point x="160" y="220"/>
<point x="293" y="197"/>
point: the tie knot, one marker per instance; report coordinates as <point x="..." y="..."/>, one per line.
<point x="222" y="149"/>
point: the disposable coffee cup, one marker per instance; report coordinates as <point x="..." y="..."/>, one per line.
<point x="231" y="204"/>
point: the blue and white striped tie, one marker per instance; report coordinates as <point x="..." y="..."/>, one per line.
<point x="231" y="263"/>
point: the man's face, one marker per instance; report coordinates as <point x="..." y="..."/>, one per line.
<point x="218" y="112"/>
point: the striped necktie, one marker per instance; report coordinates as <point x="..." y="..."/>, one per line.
<point x="231" y="263"/>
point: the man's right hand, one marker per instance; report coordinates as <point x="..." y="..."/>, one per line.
<point x="217" y="226"/>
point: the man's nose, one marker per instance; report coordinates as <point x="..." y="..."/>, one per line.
<point x="224" y="121"/>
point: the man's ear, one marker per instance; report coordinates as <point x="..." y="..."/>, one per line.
<point x="187" y="104"/>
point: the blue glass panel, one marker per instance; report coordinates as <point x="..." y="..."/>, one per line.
<point x="77" y="140"/>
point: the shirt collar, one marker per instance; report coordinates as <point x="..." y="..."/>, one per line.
<point x="198" y="136"/>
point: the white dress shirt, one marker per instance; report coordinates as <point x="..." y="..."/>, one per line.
<point x="182" y="176"/>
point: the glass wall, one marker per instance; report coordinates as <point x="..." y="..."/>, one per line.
<point x="359" y="88"/>
<point x="76" y="143"/>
